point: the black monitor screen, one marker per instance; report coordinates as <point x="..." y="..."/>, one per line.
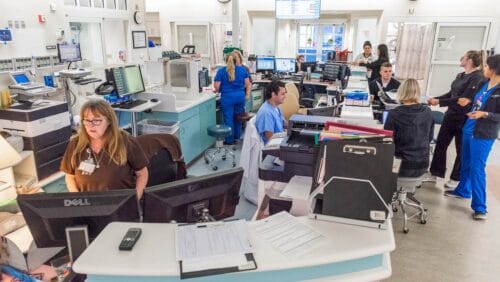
<point x="305" y="65"/>
<point x="128" y="80"/>
<point x="265" y="63"/>
<point x="48" y="214"/>
<point x="69" y="52"/>
<point x="184" y="199"/>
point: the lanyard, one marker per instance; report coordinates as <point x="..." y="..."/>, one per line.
<point x="478" y="104"/>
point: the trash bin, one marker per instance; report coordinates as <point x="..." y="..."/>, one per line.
<point x="151" y="126"/>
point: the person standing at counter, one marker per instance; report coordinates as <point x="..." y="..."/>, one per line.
<point x="464" y="85"/>
<point x="233" y="82"/>
<point x="367" y="55"/>
<point x="269" y="119"/>
<point x="102" y="156"/>
<point x="383" y="57"/>
<point x="479" y="133"/>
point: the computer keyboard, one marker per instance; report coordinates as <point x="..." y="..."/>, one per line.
<point x="132" y="104"/>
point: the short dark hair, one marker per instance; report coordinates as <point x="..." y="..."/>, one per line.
<point x="367" y="43"/>
<point x="274" y="86"/>
<point x="493" y="63"/>
<point x="386" y="65"/>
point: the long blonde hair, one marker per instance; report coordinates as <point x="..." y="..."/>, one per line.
<point x="237" y="53"/>
<point x="230" y="66"/>
<point x="114" y="137"/>
<point x="409" y="91"/>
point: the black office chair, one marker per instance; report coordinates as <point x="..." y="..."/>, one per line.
<point x="166" y="163"/>
<point x="306" y="94"/>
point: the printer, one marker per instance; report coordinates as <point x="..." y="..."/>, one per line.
<point x="45" y="128"/>
<point x="26" y="88"/>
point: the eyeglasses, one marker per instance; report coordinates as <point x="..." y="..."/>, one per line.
<point x="94" y="122"/>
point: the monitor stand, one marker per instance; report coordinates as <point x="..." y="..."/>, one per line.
<point x="77" y="238"/>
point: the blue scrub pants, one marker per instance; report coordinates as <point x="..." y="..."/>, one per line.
<point x="232" y="104"/>
<point x="472" y="173"/>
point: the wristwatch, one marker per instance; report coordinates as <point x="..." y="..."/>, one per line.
<point x="487" y="115"/>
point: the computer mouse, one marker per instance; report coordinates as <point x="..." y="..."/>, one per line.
<point x="154" y="100"/>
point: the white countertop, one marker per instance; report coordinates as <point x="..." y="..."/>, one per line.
<point x="154" y="253"/>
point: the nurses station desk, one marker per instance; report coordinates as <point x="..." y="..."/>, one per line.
<point x="349" y="253"/>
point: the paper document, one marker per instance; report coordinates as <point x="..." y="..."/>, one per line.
<point x="299" y="187"/>
<point x="274" y="143"/>
<point x="287" y="234"/>
<point x="204" y="241"/>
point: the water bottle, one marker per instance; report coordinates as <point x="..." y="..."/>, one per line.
<point x="308" y="77"/>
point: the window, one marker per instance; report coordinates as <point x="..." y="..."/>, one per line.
<point x="122" y="4"/>
<point x="98" y="4"/>
<point x="110" y="4"/>
<point x="315" y="41"/>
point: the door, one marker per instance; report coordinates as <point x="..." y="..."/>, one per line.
<point x="451" y="41"/>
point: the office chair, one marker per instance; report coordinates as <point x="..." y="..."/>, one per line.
<point x="291" y="104"/>
<point x="220" y="132"/>
<point x="405" y="197"/>
<point x="306" y="94"/>
<point x="164" y="153"/>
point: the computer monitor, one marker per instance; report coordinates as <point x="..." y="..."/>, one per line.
<point x="183" y="200"/>
<point x="48" y="214"/>
<point x="305" y="65"/>
<point x="331" y="71"/>
<point x="285" y="65"/>
<point x="128" y="80"/>
<point x="19" y="77"/>
<point x="265" y="63"/>
<point x="69" y="52"/>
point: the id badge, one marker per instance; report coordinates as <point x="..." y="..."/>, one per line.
<point x="87" y="167"/>
<point x="478" y="105"/>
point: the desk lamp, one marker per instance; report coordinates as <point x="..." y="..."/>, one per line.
<point x="8" y="155"/>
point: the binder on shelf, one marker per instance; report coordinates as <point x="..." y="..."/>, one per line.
<point x="250" y="265"/>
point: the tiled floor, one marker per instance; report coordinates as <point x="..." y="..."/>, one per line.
<point x="450" y="247"/>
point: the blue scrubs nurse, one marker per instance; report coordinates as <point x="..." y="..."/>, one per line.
<point x="233" y="82"/>
<point x="479" y="134"/>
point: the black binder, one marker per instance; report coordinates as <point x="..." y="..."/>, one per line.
<point x="359" y="180"/>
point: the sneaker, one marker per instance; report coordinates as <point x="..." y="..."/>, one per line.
<point x="451" y="193"/>
<point x="479" y="216"/>
<point x="428" y="177"/>
<point x="452" y="184"/>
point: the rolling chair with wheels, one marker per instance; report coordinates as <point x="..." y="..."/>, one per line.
<point x="405" y="197"/>
<point x="212" y="154"/>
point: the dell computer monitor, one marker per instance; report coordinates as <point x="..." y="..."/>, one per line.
<point x="69" y="52"/>
<point x="285" y="65"/>
<point x="128" y="80"/>
<point x="265" y="63"/>
<point x="48" y="214"/>
<point x="183" y="200"/>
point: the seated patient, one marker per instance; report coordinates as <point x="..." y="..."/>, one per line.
<point x="269" y="119"/>
<point x="413" y="129"/>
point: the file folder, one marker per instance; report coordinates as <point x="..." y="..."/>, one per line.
<point x="250" y="265"/>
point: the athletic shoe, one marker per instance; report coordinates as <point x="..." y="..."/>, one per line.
<point x="452" y="184"/>
<point x="479" y="216"/>
<point x="428" y="177"/>
<point x="451" y="193"/>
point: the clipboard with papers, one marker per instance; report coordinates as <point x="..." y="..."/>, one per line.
<point x="213" y="248"/>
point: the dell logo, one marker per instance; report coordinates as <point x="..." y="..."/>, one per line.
<point x="76" y="202"/>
